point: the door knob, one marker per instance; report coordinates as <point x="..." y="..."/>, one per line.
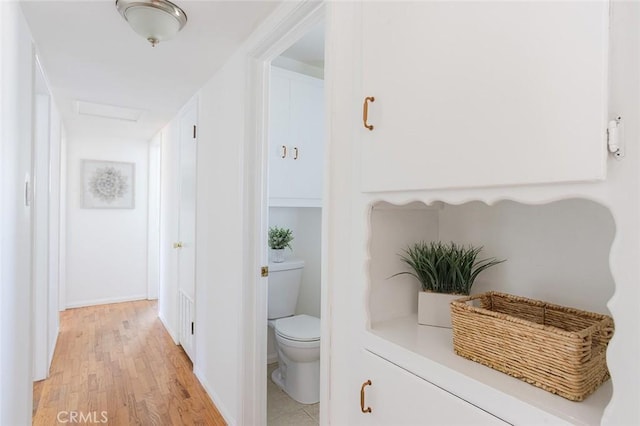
<point x="177" y="245"/>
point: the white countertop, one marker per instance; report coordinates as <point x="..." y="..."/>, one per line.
<point x="428" y="352"/>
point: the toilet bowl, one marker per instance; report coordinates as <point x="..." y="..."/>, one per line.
<point x="298" y="346"/>
<point x="297" y="337"/>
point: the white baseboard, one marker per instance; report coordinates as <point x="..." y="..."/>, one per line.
<point x="173" y="334"/>
<point x="106" y="301"/>
<point x="52" y="349"/>
<point x="215" y="398"/>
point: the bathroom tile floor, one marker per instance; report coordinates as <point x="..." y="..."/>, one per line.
<point x="284" y="411"/>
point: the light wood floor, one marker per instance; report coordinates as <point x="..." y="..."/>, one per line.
<point x="119" y="359"/>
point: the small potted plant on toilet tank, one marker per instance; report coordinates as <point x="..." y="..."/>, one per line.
<point x="279" y="239"/>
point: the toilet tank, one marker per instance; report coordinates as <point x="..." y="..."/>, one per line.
<point x="284" y="285"/>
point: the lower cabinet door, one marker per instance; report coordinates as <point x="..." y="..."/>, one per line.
<point x="398" y="397"/>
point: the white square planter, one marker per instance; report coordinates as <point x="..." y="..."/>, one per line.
<point x="434" y="309"/>
<point x="277" y="255"/>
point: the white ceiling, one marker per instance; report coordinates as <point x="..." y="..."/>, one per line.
<point x="310" y="48"/>
<point x="90" y="53"/>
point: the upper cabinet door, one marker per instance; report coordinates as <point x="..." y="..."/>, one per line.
<point x="471" y="94"/>
<point x="307" y="137"/>
<point x="279" y="136"/>
<point x="296" y="139"/>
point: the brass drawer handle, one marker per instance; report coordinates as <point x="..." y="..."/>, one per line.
<point x="284" y="151"/>
<point x="365" y="112"/>
<point x="368" y="409"/>
<point x="295" y="153"/>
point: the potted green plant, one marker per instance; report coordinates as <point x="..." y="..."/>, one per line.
<point x="279" y="239"/>
<point x="445" y="272"/>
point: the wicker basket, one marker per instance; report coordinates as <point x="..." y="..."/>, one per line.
<point x="561" y="350"/>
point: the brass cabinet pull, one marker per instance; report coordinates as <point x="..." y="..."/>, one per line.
<point x="295" y="153"/>
<point x="284" y="151"/>
<point x="365" y="112"/>
<point x="368" y="409"/>
<point x="177" y="245"/>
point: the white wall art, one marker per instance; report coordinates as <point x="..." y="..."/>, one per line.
<point x="107" y="184"/>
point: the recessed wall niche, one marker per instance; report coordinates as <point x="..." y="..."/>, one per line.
<point x="557" y="252"/>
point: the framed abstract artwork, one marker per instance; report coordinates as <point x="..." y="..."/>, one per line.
<point x="108" y="184"/>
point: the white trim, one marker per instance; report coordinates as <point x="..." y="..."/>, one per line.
<point x="62" y="282"/>
<point x="154" y="207"/>
<point x="217" y="401"/>
<point x="295" y="202"/>
<point x="173" y="334"/>
<point x="107" y="301"/>
<point x="298" y="67"/>
<point x="52" y="348"/>
<point x="287" y="25"/>
<point x="40" y="214"/>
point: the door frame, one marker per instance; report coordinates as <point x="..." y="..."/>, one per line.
<point x="281" y="34"/>
<point x="40" y="220"/>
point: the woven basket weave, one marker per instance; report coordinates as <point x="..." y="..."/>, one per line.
<point x="561" y="350"/>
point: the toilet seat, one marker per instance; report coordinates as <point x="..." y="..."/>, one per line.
<point x="299" y="328"/>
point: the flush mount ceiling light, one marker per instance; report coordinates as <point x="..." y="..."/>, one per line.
<point x="155" y="20"/>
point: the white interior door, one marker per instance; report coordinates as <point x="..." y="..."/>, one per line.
<point x="187" y="228"/>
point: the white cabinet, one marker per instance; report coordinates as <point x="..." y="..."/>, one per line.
<point x="296" y="139"/>
<point x="523" y="103"/>
<point x="397" y="397"/>
<point x="471" y="94"/>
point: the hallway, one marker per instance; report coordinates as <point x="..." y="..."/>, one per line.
<point x="118" y="363"/>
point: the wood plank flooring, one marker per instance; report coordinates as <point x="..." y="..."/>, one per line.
<point x="118" y="363"/>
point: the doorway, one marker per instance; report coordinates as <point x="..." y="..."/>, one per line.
<point x="295" y="188"/>
<point x="46" y="222"/>
<point x="293" y="27"/>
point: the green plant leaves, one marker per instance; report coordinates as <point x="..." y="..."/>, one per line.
<point x="280" y="238"/>
<point x="445" y="268"/>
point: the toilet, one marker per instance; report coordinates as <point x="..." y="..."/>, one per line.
<point x="297" y="336"/>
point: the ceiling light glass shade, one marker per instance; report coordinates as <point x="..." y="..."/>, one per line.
<point x="155" y="20"/>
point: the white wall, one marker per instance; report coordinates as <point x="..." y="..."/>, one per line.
<point x="106" y="248"/>
<point x="16" y="86"/>
<point x="55" y="257"/>
<point x="219" y="223"/>
<point x="306" y="225"/>
<point x="392" y="230"/>
<point x="62" y="283"/>
<point x="557" y="252"/>
<point x="41" y="232"/>
<point x="153" y="243"/>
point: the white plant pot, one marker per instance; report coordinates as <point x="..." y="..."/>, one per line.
<point x="434" y="309"/>
<point x="277" y="255"/>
